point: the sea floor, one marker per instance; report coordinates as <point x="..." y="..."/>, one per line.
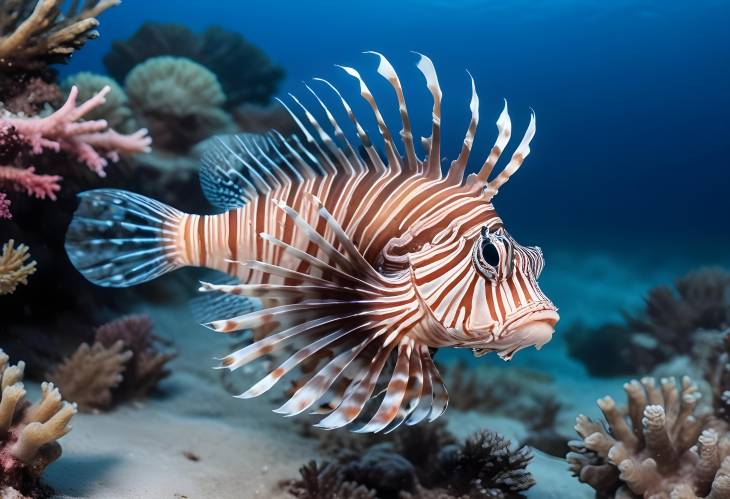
<point x="197" y="441"/>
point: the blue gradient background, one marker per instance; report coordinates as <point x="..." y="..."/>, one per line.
<point x="632" y="97"/>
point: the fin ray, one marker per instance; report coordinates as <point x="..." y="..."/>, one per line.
<point x="104" y="240"/>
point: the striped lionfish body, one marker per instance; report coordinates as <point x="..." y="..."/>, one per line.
<point x="363" y="264"/>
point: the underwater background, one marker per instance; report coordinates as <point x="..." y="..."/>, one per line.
<point x="625" y="190"/>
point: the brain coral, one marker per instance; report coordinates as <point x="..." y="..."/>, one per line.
<point x="115" y="110"/>
<point x="178" y="100"/>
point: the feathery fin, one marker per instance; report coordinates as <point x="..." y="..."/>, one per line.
<point x="350" y="318"/>
<point x="210" y="306"/>
<point x="119" y="239"/>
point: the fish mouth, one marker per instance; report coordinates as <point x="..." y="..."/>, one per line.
<point x="535" y="328"/>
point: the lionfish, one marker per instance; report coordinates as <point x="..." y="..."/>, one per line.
<point x="363" y="265"/>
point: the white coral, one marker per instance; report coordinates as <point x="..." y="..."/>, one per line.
<point x="28" y="433"/>
<point x="657" y="447"/>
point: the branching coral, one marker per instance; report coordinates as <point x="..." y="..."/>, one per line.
<point x="28" y="433"/>
<point x="485" y="466"/>
<point x="147" y="366"/>
<point x="88" y="376"/>
<point x="657" y="447"/>
<point x="717" y="373"/>
<point x="666" y="328"/>
<point x="62" y="130"/>
<point x="29" y="94"/>
<point x="5" y="206"/>
<point x="13" y="267"/>
<point x="700" y="300"/>
<point x="88" y="141"/>
<point x="425" y="461"/>
<point x="34" y="33"/>
<point x="326" y="481"/>
<point x="244" y="71"/>
<point x="28" y="181"/>
<point x="115" y="108"/>
<point x="178" y="100"/>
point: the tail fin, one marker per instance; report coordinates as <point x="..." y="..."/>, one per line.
<point x="119" y="239"/>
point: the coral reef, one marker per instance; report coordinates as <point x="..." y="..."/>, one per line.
<point x="667" y="327"/>
<point x="623" y="350"/>
<point x="5" y="206"/>
<point x="13" y="267"/>
<point x="34" y="33"/>
<point x="178" y="100"/>
<point x="147" y="366"/>
<point x="717" y="374"/>
<point x="517" y="393"/>
<point x="88" y="377"/>
<point x="28" y="433"/>
<point x="425" y="461"/>
<point x="699" y="300"/>
<point x="659" y="446"/>
<point x="484" y="466"/>
<point x="493" y="389"/>
<point x="29" y="94"/>
<point x="244" y="71"/>
<point x="123" y="364"/>
<point x="326" y="481"/>
<point x="115" y="108"/>
<point x="90" y="142"/>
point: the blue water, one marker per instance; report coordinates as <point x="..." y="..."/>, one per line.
<point x="631" y="97"/>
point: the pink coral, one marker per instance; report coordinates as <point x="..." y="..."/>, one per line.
<point x="89" y="141"/>
<point x="38" y="186"/>
<point x="5" y="206"/>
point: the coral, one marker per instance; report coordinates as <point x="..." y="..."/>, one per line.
<point x="623" y="351"/>
<point x="13" y="269"/>
<point x="28" y="433"/>
<point x="426" y="461"/>
<point x="35" y="185"/>
<point x="326" y="481"/>
<point x="29" y="94"/>
<point x="484" y="466"/>
<point x="88" y="376"/>
<point x="62" y="130"/>
<point x="115" y="109"/>
<point x="34" y="33"/>
<point x="245" y="72"/>
<point x="87" y="141"/>
<point x="5" y="206"/>
<point x="700" y="300"/>
<point x="518" y="393"/>
<point x="521" y="393"/>
<point x="382" y="469"/>
<point x="659" y="446"/>
<point x="717" y="373"/>
<point x="668" y="326"/>
<point x="178" y="100"/>
<point x="147" y="366"/>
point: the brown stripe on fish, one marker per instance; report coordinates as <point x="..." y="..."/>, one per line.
<point x="233" y="236"/>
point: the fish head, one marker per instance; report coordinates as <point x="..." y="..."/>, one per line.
<point x="489" y="299"/>
<point x="509" y="310"/>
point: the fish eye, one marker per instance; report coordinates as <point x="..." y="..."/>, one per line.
<point x="490" y="253"/>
